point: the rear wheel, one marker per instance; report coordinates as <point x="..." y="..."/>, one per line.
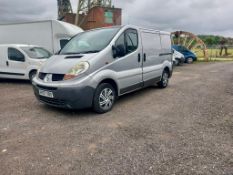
<point x="32" y="74"/>
<point x="104" y="98"/>
<point x="189" y="60"/>
<point x="164" y="80"/>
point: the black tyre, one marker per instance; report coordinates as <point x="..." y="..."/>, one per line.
<point x="32" y="74"/>
<point x="104" y="98"/>
<point x="189" y="60"/>
<point x="164" y="80"/>
<point x="180" y="63"/>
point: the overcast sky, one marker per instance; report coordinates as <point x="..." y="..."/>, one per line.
<point x="198" y="16"/>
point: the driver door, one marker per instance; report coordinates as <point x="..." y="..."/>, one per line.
<point x="129" y="65"/>
<point x="15" y="65"/>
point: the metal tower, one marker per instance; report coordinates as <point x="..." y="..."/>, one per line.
<point x="64" y="7"/>
<point x="85" y="5"/>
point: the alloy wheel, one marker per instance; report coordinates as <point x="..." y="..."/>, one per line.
<point x="106" y="99"/>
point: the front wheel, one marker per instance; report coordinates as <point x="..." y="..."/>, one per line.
<point x="104" y="98"/>
<point x="164" y="80"/>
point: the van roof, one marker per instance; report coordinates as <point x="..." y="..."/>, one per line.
<point x="30" y="22"/>
<point x="151" y="29"/>
<point x="64" y="26"/>
<point x="133" y="26"/>
<point x="25" y="22"/>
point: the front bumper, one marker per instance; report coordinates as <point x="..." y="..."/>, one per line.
<point x="73" y="97"/>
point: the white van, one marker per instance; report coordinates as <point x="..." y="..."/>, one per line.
<point x="97" y="66"/>
<point x="51" y="34"/>
<point x="21" y="61"/>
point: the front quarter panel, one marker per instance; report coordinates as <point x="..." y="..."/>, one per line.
<point x="99" y="76"/>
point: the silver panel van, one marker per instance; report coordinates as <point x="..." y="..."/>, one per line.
<point x="98" y="66"/>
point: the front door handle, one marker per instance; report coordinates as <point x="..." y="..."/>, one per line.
<point x="7" y="63"/>
<point x="139" y="57"/>
<point x="144" y="57"/>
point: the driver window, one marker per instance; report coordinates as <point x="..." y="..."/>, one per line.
<point x="131" y="40"/>
<point x="15" y="55"/>
<point x="120" y="45"/>
<point x="127" y="42"/>
<point x="121" y="41"/>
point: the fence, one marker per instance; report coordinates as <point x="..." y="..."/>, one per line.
<point x="217" y="52"/>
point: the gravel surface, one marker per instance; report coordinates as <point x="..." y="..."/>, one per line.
<point x="184" y="129"/>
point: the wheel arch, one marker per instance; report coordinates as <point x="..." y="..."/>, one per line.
<point x="167" y="69"/>
<point x="30" y="71"/>
<point x="112" y="82"/>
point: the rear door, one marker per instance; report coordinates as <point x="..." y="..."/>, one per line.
<point x="166" y="48"/>
<point x="152" y="65"/>
<point x="16" y="65"/>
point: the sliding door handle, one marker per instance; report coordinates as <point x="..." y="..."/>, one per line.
<point x="144" y="57"/>
<point x="7" y="63"/>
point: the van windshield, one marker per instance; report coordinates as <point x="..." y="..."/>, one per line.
<point x="37" y="52"/>
<point x="90" y="42"/>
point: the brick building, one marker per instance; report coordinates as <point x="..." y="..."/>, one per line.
<point x="97" y="17"/>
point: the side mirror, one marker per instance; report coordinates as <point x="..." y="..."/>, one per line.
<point x="118" y="51"/>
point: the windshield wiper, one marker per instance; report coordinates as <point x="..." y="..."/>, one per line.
<point x="85" y="52"/>
<point x="91" y="51"/>
<point x="70" y="53"/>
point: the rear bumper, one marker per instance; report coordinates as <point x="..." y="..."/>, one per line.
<point x="66" y="97"/>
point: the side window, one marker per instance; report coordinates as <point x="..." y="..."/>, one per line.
<point x="120" y="46"/>
<point x="127" y="42"/>
<point x="63" y="42"/>
<point x="15" y="55"/>
<point x="121" y="40"/>
<point x="131" y="40"/>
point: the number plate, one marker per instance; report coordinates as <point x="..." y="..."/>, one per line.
<point x="45" y="93"/>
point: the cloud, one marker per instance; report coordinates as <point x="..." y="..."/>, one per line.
<point x="27" y="10"/>
<point x="198" y="16"/>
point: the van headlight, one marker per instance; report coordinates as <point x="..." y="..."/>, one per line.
<point x="78" y="69"/>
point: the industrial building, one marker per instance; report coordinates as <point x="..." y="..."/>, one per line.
<point x="91" y="13"/>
